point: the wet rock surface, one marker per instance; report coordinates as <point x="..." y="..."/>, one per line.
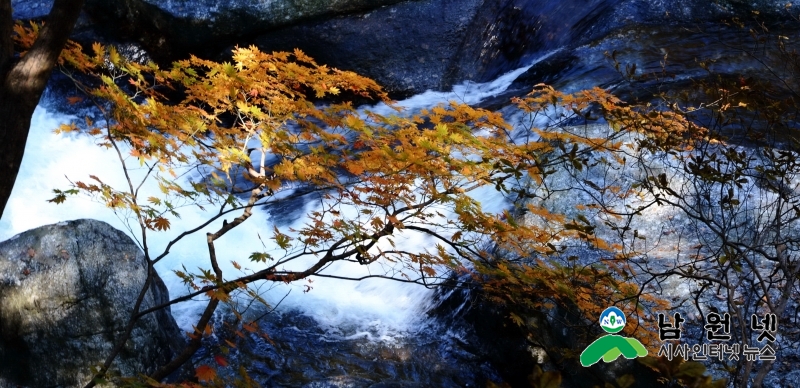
<point x="174" y="29"/>
<point x="658" y="60"/>
<point x="544" y="340"/>
<point x="291" y="349"/>
<point x="66" y="292"/>
<point x="416" y="45"/>
<point x="407" y="46"/>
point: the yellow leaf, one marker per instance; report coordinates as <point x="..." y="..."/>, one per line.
<point x="517" y="319"/>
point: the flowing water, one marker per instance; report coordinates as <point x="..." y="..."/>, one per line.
<point x="346" y="333"/>
<point x="380" y="326"/>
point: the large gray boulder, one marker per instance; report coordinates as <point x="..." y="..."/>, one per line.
<point x="66" y="293"/>
<point x="175" y="28"/>
<point x="408" y="47"/>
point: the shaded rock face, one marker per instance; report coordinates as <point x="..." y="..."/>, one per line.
<point x="551" y="340"/>
<point x="508" y="34"/>
<point x="270" y="13"/>
<point x="25" y="9"/>
<point x="407" y="46"/>
<point x="299" y="352"/>
<point x="216" y="14"/>
<point x="487" y="333"/>
<point x="66" y="292"/>
<point x="175" y="28"/>
<point x="666" y="59"/>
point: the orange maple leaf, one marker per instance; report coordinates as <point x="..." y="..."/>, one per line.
<point x="74" y="100"/>
<point x="161" y="223"/>
<point x="205" y="373"/>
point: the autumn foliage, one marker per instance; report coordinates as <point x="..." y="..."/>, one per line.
<point x="268" y="127"/>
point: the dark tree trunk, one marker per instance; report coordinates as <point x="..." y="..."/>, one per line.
<point x="22" y="81"/>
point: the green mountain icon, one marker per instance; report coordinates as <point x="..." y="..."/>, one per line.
<point x="610" y="347"/>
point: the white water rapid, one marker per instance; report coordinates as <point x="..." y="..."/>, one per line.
<point x="374" y="308"/>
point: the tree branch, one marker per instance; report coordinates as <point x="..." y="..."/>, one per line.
<point x="23" y="83"/>
<point x="31" y="73"/>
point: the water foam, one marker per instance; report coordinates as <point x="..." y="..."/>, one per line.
<point x="379" y="307"/>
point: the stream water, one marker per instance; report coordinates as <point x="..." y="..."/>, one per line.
<point x="340" y="332"/>
<point x="373" y="332"/>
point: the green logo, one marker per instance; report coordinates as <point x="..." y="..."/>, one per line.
<point x="610" y="347"/>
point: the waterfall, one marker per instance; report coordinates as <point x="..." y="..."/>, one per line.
<point x="374" y="308"/>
